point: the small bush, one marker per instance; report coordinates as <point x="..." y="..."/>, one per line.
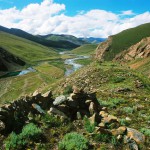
<point x="68" y="90"/>
<point x="118" y="79"/>
<point x="123" y="122"/>
<point x="107" y="138"/>
<point x="128" y="110"/>
<point x="112" y="102"/>
<point x="73" y="141"/>
<point x="145" y="131"/>
<point x="29" y="133"/>
<point x="51" y="121"/>
<point x="88" y="126"/>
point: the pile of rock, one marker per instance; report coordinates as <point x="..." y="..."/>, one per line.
<point x="75" y="106"/>
<point x="17" y="111"/>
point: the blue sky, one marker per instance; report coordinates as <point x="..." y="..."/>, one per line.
<point x="98" y="18"/>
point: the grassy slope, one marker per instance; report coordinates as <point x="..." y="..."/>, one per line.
<point x="86" y="49"/>
<point x="126" y="39"/>
<point x="28" y="51"/>
<point x="106" y="79"/>
<point x="13" y="87"/>
<point x="141" y="65"/>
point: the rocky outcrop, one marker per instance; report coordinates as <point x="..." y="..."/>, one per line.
<point x="77" y="105"/>
<point x="8" y="61"/>
<point x="18" y="111"/>
<point x="139" y="50"/>
<point x="103" y="48"/>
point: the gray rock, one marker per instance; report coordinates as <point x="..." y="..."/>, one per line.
<point x="137" y="136"/>
<point x="38" y="108"/>
<point x="59" y="100"/>
<point x="2" y="126"/>
<point x="48" y="94"/>
<point x="92" y="108"/>
<point x="57" y="112"/>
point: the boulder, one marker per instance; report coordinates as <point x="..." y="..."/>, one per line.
<point x="76" y="89"/>
<point x="59" y="100"/>
<point x="57" y="112"/>
<point x="48" y="94"/>
<point x="36" y="93"/>
<point x="101" y="125"/>
<point x="2" y="126"/>
<point x="87" y="102"/>
<point x="38" y="108"/>
<point x="73" y="96"/>
<point x="103" y="114"/>
<point x="79" y="116"/>
<point x="137" y="136"/>
<point x="109" y="119"/>
<point x="92" y="119"/>
<point x="92" y="108"/>
<point x="119" y="131"/>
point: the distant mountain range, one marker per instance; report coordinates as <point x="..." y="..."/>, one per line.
<point x="18" y="47"/>
<point x="61" y="43"/>
<point x="93" y="40"/>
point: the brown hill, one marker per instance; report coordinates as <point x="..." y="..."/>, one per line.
<point x="139" y="50"/>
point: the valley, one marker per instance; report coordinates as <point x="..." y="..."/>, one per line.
<point x="97" y="95"/>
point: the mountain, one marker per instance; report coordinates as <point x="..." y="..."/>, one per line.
<point x="137" y="51"/>
<point x="122" y="41"/>
<point x="39" y="39"/>
<point x="137" y="56"/>
<point x="93" y="40"/>
<point x="16" y="51"/>
<point x="8" y="61"/>
<point x="63" y="37"/>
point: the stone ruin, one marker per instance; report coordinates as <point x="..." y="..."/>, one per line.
<point x="77" y="105"/>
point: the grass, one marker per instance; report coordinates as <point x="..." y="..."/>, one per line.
<point x="12" y="88"/>
<point x="73" y="141"/>
<point x="86" y="49"/>
<point x="29" y="133"/>
<point x="84" y="62"/>
<point x="126" y="38"/>
<point x="106" y="78"/>
<point x="28" y="51"/>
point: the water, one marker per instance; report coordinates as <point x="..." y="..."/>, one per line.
<point x="75" y="66"/>
<point x="23" y="72"/>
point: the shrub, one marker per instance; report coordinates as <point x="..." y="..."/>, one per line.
<point x="129" y="110"/>
<point x="123" y="122"/>
<point x="29" y="133"/>
<point x="73" y="141"/>
<point x="88" y="126"/>
<point x="112" y="102"/>
<point x="145" y="131"/>
<point x="118" y="79"/>
<point x="107" y="138"/>
<point x="51" y="121"/>
<point x="68" y="90"/>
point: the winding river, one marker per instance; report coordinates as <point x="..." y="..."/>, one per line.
<point x="69" y="70"/>
<point x="75" y="66"/>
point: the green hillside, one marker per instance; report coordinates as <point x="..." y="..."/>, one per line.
<point x="61" y="44"/>
<point x="86" y="49"/>
<point x="127" y="38"/>
<point x="63" y="37"/>
<point x="28" y="51"/>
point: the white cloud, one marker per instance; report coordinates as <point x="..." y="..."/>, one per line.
<point x="127" y="12"/>
<point x="49" y="17"/>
